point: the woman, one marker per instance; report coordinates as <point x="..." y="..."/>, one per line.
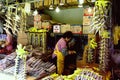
<point x="61" y="50"/>
<point x="7" y="46"/>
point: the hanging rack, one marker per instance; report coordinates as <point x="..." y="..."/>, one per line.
<point x="7" y="4"/>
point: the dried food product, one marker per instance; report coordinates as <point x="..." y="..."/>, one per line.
<point x="39" y="68"/>
<point x="8" y="61"/>
<point x="102" y="25"/>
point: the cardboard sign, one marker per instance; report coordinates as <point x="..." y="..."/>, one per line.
<point x="88" y="14"/>
<point x="46" y="24"/>
<point x="56" y="28"/>
<point x="76" y="29"/>
<point x="65" y="28"/>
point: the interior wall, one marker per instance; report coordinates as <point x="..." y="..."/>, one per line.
<point x="69" y="16"/>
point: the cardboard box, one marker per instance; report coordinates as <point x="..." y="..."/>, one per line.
<point x="87" y="29"/>
<point x="22" y="38"/>
<point x="65" y="28"/>
<point x="37" y="21"/>
<point x="76" y="29"/>
<point x="46" y="25"/>
<point x="87" y="20"/>
<point x="88" y="15"/>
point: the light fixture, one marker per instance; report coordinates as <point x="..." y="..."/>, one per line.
<point x="51" y="7"/>
<point x="61" y="3"/>
<point x="57" y="9"/>
<point x="80" y="3"/>
<point x="35" y="12"/>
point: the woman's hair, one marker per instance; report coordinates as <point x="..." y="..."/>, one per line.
<point x="68" y="34"/>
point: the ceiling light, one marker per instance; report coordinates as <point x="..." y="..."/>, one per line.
<point x="61" y="4"/>
<point x="80" y="5"/>
<point x="51" y="7"/>
<point x="81" y="1"/>
<point x="57" y="9"/>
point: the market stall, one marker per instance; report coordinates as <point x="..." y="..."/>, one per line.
<point x="37" y="26"/>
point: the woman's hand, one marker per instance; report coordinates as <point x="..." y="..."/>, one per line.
<point x="71" y="52"/>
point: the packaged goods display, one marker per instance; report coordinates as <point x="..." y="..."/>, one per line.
<point x="79" y="74"/>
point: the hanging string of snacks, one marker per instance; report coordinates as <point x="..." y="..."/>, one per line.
<point x="100" y="16"/>
<point x="101" y="25"/>
<point x="101" y="21"/>
<point x="105" y="34"/>
<point x="20" y="63"/>
<point x="92" y="45"/>
<point x="8" y="20"/>
<point x="12" y="20"/>
<point x="104" y="50"/>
